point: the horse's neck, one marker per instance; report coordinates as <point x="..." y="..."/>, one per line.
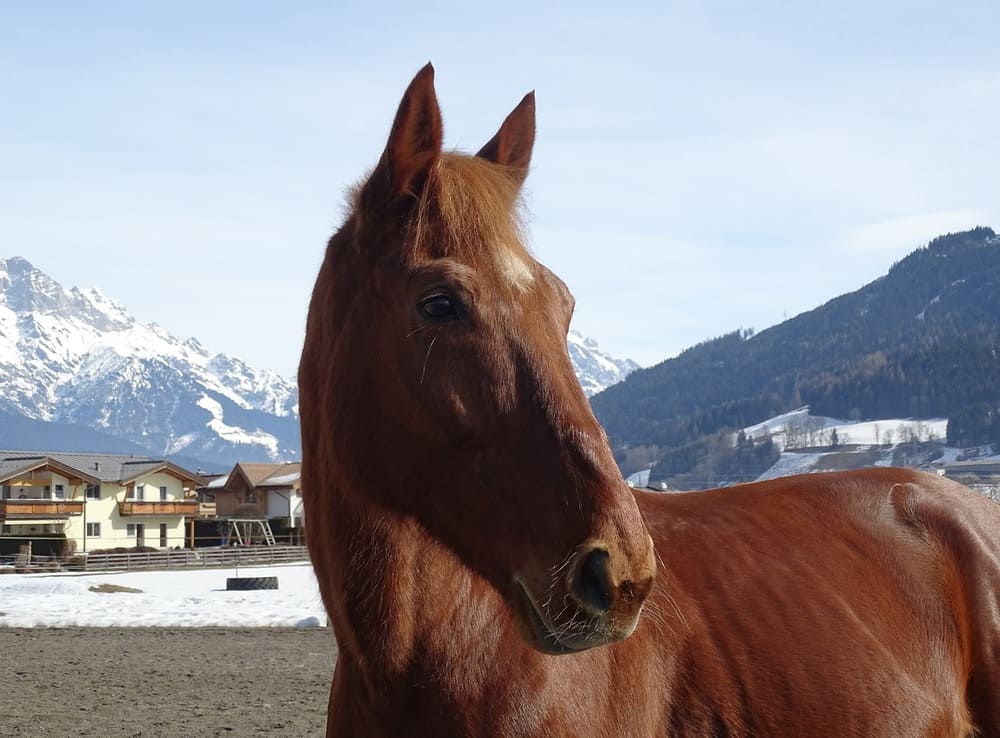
<point x="408" y="607"/>
<point x="424" y="641"/>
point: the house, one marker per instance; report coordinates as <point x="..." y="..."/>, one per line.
<point x="93" y="501"/>
<point x="271" y="492"/>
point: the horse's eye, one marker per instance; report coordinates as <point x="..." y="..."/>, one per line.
<point x="440" y="307"/>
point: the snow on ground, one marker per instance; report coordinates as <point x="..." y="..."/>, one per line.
<point x="799" y="429"/>
<point x="874" y="432"/>
<point x="791" y="463"/>
<point x="779" y="424"/>
<point x="177" y="598"/>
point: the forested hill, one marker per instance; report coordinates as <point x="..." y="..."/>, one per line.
<point x="921" y="341"/>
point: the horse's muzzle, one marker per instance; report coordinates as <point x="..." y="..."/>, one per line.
<point x="596" y="607"/>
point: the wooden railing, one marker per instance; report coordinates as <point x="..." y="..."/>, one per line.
<point x="39" y="509"/>
<point x="206" y="510"/>
<point x="169" y="507"/>
<point x="190" y="558"/>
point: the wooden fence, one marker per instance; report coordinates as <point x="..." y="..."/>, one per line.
<point x="188" y="558"/>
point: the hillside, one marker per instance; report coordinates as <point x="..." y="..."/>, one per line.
<point x="921" y="341"/>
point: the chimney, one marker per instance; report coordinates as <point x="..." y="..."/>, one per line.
<point x="97" y="466"/>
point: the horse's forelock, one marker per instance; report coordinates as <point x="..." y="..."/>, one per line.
<point x="471" y="210"/>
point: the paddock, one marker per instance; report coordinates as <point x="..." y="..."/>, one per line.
<point x="165" y="682"/>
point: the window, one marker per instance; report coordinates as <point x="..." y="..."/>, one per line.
<point x="163" y="494"/>
<point x="93" y="530"/>
<point x="47" y="492"/>
<point x="163" y="532"/>
<point x="130" y="530"/>
<point x="93" y="491"/>
<point x="6" y="491"/>
<point x="138" y="493"/>
<point x="60" y="492"/>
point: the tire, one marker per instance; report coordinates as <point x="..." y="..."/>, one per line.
<point x="245" y="583"/>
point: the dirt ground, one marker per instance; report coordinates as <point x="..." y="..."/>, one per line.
<point x="164" y="682"/>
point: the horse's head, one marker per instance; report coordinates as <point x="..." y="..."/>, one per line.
<point x="436" y="385"/>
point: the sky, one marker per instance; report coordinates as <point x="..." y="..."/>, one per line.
<point x="699" y="166"/>
<point x="193" y="598"/>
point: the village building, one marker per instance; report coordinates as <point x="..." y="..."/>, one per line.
<point x="87" y="502"/>
<point x="254" y="494"/>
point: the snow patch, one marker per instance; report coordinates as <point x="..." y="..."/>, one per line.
<point x="234" y="434"/>
<point x="181" y="442"/>
<point x="791" y="463"/>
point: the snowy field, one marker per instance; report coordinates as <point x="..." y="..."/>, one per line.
<point x="799" y="429"/>
<point x="178" y="598"/>
<point x="806" y="442"/>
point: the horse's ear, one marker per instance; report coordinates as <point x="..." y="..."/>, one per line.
<point x="512" y="144"/>
<point x="414" y="142"/>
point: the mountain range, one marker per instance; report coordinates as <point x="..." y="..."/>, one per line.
<point x="921" y="341"/>
<point x="78" y="372"/>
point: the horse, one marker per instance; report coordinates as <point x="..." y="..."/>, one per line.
<point x="487" y="571"/>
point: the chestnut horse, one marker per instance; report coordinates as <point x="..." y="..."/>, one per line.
<point x="488" y="573"/>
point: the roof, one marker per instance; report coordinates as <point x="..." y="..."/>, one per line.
<point x="14" y="466"/>
<point x="268" y="475"/>
<point x="94" y="468"/>
<point x="215" y="481"/>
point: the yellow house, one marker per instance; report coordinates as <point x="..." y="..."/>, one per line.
<point x="93" y="501"/>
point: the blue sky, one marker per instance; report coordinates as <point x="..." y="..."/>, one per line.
<point x="699" y="166"/>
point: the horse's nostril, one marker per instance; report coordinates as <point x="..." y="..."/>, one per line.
<point x="594" y="587"/>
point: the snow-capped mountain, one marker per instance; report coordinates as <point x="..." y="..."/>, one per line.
<point x="595" y="369"/>
<point x="76" y="358"/>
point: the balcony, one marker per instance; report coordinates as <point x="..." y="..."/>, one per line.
<point x="37" y="509"/>
<point x="206" y="510"/>
<point x="169" y="507"/>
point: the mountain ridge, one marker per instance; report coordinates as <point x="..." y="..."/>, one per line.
<point x="919" y="341"/>
<point x="78" y="358"/>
